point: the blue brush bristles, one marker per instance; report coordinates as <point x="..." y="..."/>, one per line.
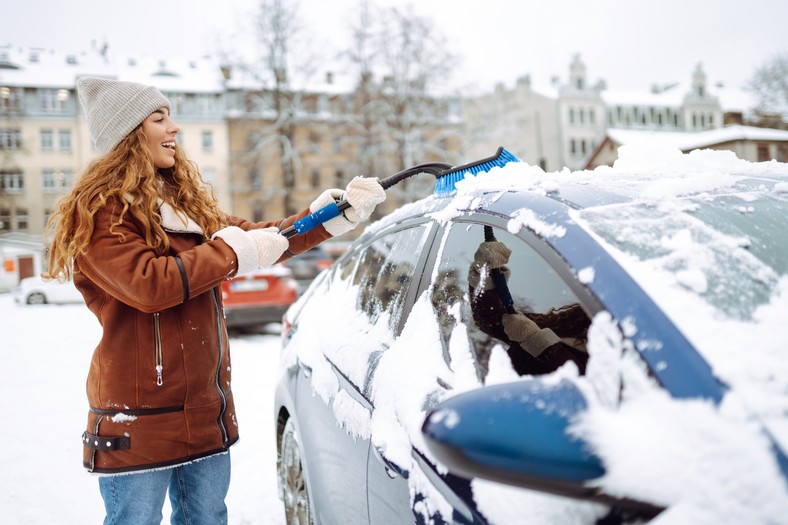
<point x="445" y="182"/>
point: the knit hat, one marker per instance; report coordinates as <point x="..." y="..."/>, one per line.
<point x="113" y="108"/>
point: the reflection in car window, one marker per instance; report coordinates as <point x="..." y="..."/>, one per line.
<point x="537" y="292"/>
<point x="384" y="272"/>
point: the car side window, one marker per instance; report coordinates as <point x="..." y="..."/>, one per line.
<point x="384" y="272"/>
<point x="463" y="290"/>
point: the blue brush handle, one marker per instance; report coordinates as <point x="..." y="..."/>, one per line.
<point x="499" y="280"/>
<point x="315" y="219"/>
<point x="333" y="210"/>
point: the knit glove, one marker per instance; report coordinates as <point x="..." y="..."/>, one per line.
<point x="489" y="255"/>
<point x="527" y="333"/>
<point x="362" y="193"/>
<point x="254" y="248"/>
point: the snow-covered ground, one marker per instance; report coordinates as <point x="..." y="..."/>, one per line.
<point x="46" y="351"/>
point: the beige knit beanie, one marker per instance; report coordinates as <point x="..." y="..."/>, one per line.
<point x="113" y="108"/>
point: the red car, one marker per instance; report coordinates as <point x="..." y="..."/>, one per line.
<point x="258" y="298"/>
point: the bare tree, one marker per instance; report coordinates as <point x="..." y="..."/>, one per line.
<point x="282" y="65"/>
<point x="362" y="54"/>
<point x="770" y="86"/>
<point x="402" y="112"/>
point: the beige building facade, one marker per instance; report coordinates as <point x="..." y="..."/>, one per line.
<point x="44" y="142"/>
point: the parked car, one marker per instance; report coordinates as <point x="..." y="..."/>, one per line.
<point x="35" y="290"/>
<point x="305" y="266"/>
<point x="399" y="401"/>
<point x="253" y="300"/>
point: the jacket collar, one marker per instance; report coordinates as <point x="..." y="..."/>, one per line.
<point x="173" y="220"/>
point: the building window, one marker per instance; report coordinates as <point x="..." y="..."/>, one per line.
<point x="591" y="116"/>
<point x="53" y="100"/>
<point x="572" y="147"/>
<point x="5" y="219"/>
<point x="314" y="142"/>
<point x="337" y="142"/>
<point x="64" y="138"/>
<point x="763" y="153"/>
<point x="22" y="222"/>
<point x="207" y="140"/>
<point x="11" y="182"/>
<point x="10" y="99"/>
<point x="339" y="177"/>
<point x="571" y="115"/>
<point x="46" y="140"/>
<point x="255" y="177"/>
<point x="209" y="175"/>
<point x="54" y="181"/>
<point x="314" y="177"/>
<point x="10" y="139"/>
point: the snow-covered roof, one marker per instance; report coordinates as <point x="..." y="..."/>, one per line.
<point x="47" y="68"/>
<point x="672" y="95"/>
<point x="686" y="141"/>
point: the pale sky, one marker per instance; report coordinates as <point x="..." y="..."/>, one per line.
<point x="628" y="43"/>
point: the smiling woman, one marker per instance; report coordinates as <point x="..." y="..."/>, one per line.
<point x="150" y="251"/>
<point x="160" y="132"/>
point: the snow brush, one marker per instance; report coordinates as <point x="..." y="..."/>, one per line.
<point x="446" y="177"/>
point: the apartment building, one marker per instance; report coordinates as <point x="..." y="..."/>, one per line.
<point x="266" y="153"/>
<point x="563" y="124"/>
<point x="44" y="142"/>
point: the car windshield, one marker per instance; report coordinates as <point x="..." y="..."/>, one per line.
<point x="728" y="249"/>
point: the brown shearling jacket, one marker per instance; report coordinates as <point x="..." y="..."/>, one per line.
<point x="159" y="380"/>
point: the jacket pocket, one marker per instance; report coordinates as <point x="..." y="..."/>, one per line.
<point x="157" y="349"/>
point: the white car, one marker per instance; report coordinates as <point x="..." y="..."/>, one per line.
<point x="35" y="290"/>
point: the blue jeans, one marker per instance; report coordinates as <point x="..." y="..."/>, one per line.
<point x="197" y="492"/>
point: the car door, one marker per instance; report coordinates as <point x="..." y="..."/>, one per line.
<point x="474" y="352"/>
<point x="364" y="296"/>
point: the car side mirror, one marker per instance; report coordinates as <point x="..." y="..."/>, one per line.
<point x="515" y="433"/>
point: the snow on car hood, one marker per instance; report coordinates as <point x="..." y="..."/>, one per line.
<point x="709" y="463"/>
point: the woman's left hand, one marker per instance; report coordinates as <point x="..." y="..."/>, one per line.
<point x="363" y="194"/>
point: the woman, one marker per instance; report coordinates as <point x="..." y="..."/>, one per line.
<point x="148" y="248"/>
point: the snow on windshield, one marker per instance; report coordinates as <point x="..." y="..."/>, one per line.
<point x="710" y="464"/>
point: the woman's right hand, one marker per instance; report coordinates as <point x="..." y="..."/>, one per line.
<point x="254" y="248"/>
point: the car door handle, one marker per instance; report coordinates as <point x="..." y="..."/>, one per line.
<point x="306" y="369"/>
<point x="393" y="470"/>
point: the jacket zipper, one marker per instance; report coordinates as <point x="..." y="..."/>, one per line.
<point x="157" y="347"/>
<point x="218" y="384"/>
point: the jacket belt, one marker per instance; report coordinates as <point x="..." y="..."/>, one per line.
<point x="106" y="443"/>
